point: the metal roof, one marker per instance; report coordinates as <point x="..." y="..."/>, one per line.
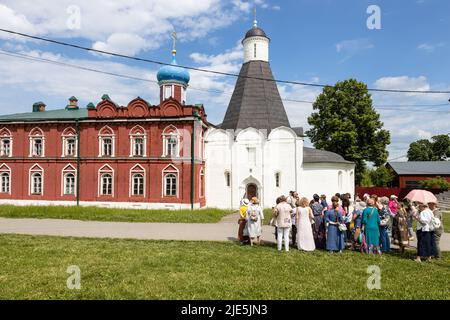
<point x="421" y="167"/>
<point x="60" y="114"/>
<point x="255" y="32"/>
<point x="311" y="155"/>
<point x="255" y="103"/>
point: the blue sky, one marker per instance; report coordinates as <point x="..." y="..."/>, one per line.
<point x="320" y="41"/>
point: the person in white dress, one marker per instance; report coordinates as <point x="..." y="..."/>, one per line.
<point x="305" y="238"/>
<point x="255" y="218"/>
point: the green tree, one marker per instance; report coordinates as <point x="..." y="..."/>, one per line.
<point x="421" y="150"/>
<point x="345" y="122"/>
<point x="437" y="182"/>
<point x="366" y="180"/>
<point x="438" y="149"/>
<point x="441" y="147"/>
<point x="382" y="176"/>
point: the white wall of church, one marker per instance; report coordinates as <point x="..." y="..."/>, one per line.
<point x="256" y="49"/>
<point x="328" y="179"/>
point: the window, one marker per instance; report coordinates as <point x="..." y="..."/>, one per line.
<point x="106" y="142"/>
<point x="36" y="183"/>
<point x="170" y="181"/>
<point x="70" y="147"/>
<point x="171" y="139"/>
<point x="106" y="188"/>
<point x="69" y="184"/>
<point x="138" y="185"/>
<point x="254" y="50"/>
<point x="37" y="143"/>
<point x="228" y="179"/>
<point x="5" y="147"/>
<point x="340" y="180"/>
<point x="106" y="181"/>
<point x="412" y="184"/>
<point x="5" y="182"/>
<point x="202" y="183"/>
<point x="137" y="181"/>
<point x="171" y="185"/>
<point x="277" y="180"/>
<point x="37" y="147"/>
<point x="106" y="147"/>
<point x="167" y="92"/>
<point x="138" y="147"/>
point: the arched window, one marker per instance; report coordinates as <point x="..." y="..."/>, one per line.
<point x="69" y="142"/>
<point x="202" y="183"/>
<point x="36" y="180"/>
<point x="170" y="181"/>
<point x="37" y="143"/>
<point x="171" y="142"/>
<point x="69" y="180"/>
<point x="340" y="180"/>
<point x="137" y="181"/>
<point x="106" y="142"/>
<point x="5" y="143"/>
<point x="106" y="181"/>
<point x="254" y="50"/>
<point x="138" y="142"/>
<point x="5" y="180"/>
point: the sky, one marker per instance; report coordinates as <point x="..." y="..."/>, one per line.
<point x="314" y="41"/>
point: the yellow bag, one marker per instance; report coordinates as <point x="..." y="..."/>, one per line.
<point x="352" y="225"/>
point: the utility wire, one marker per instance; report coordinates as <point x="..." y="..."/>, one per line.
<point x="59" y="63"/>
<point x="204" y="70"/>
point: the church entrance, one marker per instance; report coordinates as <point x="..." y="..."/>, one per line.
<point x="252" y="191"/>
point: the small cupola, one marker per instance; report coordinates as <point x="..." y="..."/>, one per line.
<point x="172" y="79"/>
<point x="73" y="103"/>
<point x="256" y="43"/>
<point x="38" y="106"/>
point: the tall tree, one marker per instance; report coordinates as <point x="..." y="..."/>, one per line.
<point x="345" y="122"/>
<point x="421" y="150"/>
<point x="438" y="149"/>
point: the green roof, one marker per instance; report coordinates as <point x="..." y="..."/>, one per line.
<point x="61" y="114"/>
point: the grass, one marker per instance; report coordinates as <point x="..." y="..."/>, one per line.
<point x="446" y="218"/>
<point x="35" y="268"/>
<point x="120" y="215"/>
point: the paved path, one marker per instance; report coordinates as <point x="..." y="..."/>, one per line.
<point x="225" y="230"/>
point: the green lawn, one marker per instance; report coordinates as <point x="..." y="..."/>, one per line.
<point x="106" y="214"/>
<point x="446" y="218"/>
<point x="35" y="268"/>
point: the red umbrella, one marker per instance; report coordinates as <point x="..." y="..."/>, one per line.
<point x="421" y="196"/>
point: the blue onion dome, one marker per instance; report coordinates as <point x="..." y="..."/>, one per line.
<point x="173" y="73"/>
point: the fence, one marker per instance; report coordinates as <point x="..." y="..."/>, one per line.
<point x="387" y="192"/>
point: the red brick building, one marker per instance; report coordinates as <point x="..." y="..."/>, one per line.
<point x="139" y="155"/>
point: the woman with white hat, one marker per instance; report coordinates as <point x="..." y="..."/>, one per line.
<point x="425" y="234"/>
<point x="255" y="217"/>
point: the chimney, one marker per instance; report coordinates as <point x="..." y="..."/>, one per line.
<point x="38" y="106"/>
<point x="73" y="103"/>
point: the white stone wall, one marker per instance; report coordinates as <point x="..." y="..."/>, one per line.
<point x="262" y="49"/>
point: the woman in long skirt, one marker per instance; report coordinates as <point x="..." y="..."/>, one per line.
<point x="255" y="216"/>
<point x="305" y="239"/>
<point x="333" y="217"/>
<point x="384" y="224"/>
<point x="426" y="247"/>
<point x="400" y="228"/>
<point x="318" y="226"/>
<point x="370" y="226"/>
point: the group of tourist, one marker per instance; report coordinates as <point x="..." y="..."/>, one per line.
<point x="368" y="224"/>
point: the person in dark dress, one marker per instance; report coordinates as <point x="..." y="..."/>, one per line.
<point x="319" y="223"/>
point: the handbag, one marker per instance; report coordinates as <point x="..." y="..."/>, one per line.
<point x="342" y="227"/>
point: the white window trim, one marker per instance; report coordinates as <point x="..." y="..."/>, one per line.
<point x="7" y="170"/>
<point x="170" y="169"/>
<point x="168" y="132"/>
<point x="137" y="169"/>
<point x="66" y="135"/>
<point x="7" y="135"/>
<point x="37" y="136"/>
<point x="68" y="169"/>
<point x="31" y="171"/>
<point x="133" y="136"/>
<point x="102" y="136"/>
<point x="101" y="172"/>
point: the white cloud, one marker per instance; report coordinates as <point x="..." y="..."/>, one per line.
<point x="123" y="43"/>
<point x="429" y="47"/>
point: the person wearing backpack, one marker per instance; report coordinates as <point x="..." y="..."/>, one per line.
<point x="255" y="217"/>
<point x="426" y="247"/>
<point x="439" y="230"/>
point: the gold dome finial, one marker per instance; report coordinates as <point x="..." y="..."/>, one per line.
<point x="174" y="45"/>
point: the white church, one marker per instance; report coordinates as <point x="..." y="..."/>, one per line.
<point x="256" y="152"/>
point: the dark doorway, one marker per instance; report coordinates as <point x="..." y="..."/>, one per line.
<point x="252" y="191"/>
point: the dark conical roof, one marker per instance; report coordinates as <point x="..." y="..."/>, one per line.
<point x="255" y="103"/>
<point x="255" y="32"/>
